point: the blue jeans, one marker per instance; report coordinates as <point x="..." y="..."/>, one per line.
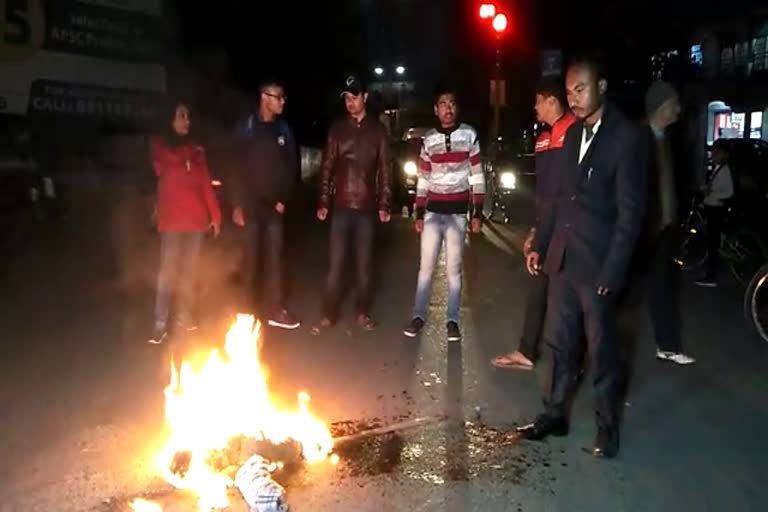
<point x="177" y="279"/>
<point x="438" y="227"/>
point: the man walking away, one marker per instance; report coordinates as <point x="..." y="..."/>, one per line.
<point x="450" y="182"/>
<point x="551" y="108"/>
<point x="267" y="180"/>
<point x="660" y="243"/>
<point x="356" y="179"/>
<point x="588" y="240"/>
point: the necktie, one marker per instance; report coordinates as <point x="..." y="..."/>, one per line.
<point x="589" y="131"/>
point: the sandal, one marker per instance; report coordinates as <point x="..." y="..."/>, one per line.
<point x="366" y="322"/>
<point x="510" y="362"/>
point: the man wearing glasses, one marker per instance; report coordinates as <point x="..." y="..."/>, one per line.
<point x="267" y="178"/>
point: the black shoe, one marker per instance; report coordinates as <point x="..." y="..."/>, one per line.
<point x="454" y="333"/>
<point x="606" y="443"/>
<point x="414" y="328"/>
<point x="543" y="427"/>
<point x="159" y="334"/>
<point x="187" y="323"/>
<point x="284" y="320"/>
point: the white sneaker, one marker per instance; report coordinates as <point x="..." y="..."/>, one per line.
<point x="674" y="357"/>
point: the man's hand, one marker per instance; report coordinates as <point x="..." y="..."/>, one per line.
<point x="419" y="225"/>
<point x="280" y="208"/>
<point x="322" y="213"/>
<point x="384" y="216"/>
<point x="528" y="244"/>
<point x="476" y="225"/>
<point x="238" y="218"/>
<point x="532" y="263"/>
<point x="603" y="291"/>
<point x="216" y="228"/>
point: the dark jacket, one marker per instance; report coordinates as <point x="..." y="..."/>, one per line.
<point x="268" y="168"/>
<point x="592" y="231"/>
<point x="356" y="170"/>
<point x="550" y="163"/>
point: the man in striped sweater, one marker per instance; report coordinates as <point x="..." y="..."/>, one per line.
<point x="451" y="185"/>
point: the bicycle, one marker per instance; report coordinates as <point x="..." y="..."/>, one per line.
<point x="756" y="304"/>
<point x="741" y="248"/>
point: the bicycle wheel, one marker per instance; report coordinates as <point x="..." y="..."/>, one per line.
<point x="756" y="304"/>
<point x="693" y="251"/>
<point x="745" y="252"/>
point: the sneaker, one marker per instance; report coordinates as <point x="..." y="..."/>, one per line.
<point x="414" y="328"/>
<point x="674" y="357"/>
<point x="159" y="334"/>
<point x="454" y="333"/>
<point x="284" y="320"/>
<point x="706" y="283"/>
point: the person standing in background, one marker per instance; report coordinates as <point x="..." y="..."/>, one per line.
<point x="661" y="238"/>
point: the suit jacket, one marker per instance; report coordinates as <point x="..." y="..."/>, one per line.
<point x="592" y="231"/>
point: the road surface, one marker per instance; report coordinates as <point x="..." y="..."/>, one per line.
<point x="82" y="402"/>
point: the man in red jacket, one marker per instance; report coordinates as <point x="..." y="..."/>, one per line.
<point x="186" y="209"/>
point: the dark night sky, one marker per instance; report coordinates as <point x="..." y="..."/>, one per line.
<point x="312" y="45"/>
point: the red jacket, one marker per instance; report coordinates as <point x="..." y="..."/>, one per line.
<point x="185" y="198"/>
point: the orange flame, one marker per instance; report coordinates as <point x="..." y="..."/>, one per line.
<point x="224" y="398"/>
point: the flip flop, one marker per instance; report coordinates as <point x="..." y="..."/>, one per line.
<point x="506" y="363"/>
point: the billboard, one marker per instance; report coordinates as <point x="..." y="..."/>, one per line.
<point x="59" y="49"/>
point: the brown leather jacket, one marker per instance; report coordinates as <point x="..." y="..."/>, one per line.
<point x="357" y="168"/>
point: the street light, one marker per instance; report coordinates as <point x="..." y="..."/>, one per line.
<point x="378" y="70"/>
<point x="400" y="70"/>
<point x="487" y="11"/>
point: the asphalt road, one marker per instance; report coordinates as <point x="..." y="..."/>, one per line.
<point x="81" y="393"/>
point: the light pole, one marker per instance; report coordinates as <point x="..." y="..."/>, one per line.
<point x="499" y="24"/>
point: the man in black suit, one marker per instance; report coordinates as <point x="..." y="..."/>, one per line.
<point x="588" y="241"/>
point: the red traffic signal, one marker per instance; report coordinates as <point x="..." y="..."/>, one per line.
<point x="500" y="23"/>
<point x="487" y="11"/>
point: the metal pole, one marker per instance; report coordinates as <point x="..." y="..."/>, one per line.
<point x="497" y="96"/>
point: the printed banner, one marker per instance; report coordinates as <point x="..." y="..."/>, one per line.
<point x="89" y="103"/>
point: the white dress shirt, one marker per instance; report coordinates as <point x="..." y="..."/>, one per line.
<point x="586" y="143"/>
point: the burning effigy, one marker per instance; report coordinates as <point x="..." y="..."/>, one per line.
<point x="220" y="419"/>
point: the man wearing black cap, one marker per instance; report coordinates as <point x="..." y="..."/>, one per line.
<point x="356" y="180"/>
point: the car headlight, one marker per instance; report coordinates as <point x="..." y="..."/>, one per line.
<point x="508" y="180"/>
<point x="410" y="168"/>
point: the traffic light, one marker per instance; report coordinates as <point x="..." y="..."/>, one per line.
<point x="487" y="11"/>
<point x="500" y="23"/>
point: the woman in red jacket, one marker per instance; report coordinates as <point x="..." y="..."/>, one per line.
<point x="186" y="209"/>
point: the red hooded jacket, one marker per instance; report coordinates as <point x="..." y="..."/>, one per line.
<point x="185" y="198"/>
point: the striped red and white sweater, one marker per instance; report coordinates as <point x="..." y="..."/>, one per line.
<point x="450" y="172"/>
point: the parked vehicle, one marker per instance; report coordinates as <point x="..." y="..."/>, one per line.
<point x="405" y="158"/>
<point x="510" y="184"/>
